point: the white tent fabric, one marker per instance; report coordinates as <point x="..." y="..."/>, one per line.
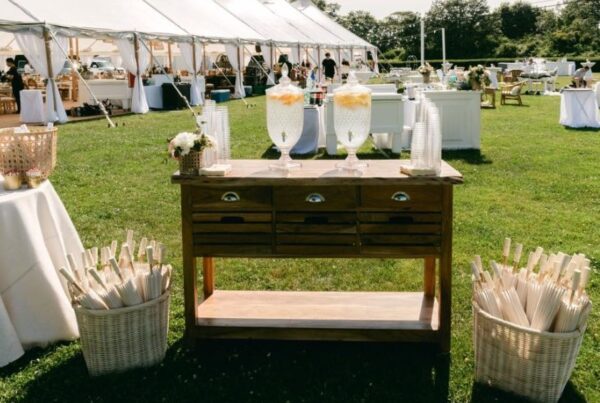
<point x="11" y="13"/>
<point x="294" y="17"/>
<point x="110" y="15"/>
<point x="313" y="12"/>
<point x="235" y="54"/>
<point x="206" y="19"/>
<point x="268" y="54"/>
<point x="293" y="56"/>
<point x="34" y="49"/>
<point x="193" y="65"/>
<point x="262" y="20"/>
<point x="139" y="104"/>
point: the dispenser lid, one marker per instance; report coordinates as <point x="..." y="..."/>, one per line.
<point x="352" y="85"/>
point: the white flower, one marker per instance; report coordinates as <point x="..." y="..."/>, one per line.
<point x="185" y="142"/>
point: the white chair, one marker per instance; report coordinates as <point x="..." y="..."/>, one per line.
<point x="550" y="83"/>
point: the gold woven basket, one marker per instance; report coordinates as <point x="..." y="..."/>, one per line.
<point x="120" y="339"/>
<point x="20" y="152"/>
<point x="530" y="363"/>
<point x="191" y="163"/>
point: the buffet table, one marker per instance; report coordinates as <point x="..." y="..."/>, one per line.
<point x="35" y="235"/>
<point x="563" y="68"/>
<point x="579" y="108"/>
<point x="32" y="106"/>
<point x="114" y="90"/>
<point x="460" y="114"/>
<point x="318" y="212"/>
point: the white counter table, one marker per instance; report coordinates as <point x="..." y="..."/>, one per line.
<point x="114" y="90"/>
<point x="460" y="113"/>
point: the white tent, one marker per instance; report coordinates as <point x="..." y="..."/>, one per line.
<point x="206" y="19"/>
<point x="294" y="17"/>
<point x="255" y="15"/>
<point x="313" y="12"/>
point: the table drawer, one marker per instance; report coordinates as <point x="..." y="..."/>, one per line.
<point x="402" y="198"/>
<point x="315" y="198"/>
<point x="232" y="198"/>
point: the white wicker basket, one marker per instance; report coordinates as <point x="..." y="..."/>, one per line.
<point x="120" y="339"/>
<point x="533" y="364"/>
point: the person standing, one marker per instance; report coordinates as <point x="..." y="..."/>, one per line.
<point x="329" y="67"/>
<point x="16" y="81"/>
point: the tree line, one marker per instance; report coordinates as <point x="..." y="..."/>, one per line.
<point x="473" y="30"/>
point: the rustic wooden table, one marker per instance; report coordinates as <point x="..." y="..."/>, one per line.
<point x="318" y="211"/>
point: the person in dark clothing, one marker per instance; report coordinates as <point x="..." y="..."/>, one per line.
<point x="16" y="81"/>
<point x="329" y="66"/>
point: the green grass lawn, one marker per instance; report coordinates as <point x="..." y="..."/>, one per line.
<point x="533" y="180"/>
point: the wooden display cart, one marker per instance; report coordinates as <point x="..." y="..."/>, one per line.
<point x="317" y="211"/>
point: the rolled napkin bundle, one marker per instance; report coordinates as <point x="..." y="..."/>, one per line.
<point x="101" y="282"/>
<point x="552" y="299"/>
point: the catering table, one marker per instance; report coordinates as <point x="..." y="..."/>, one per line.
<point x="597" y="89"/>
<point x="313" y="131"/>
<point x="563" y="68"/>
<point x="114" y="90"/>
<point x="35" y="235"/>
<point x="154" y="96"/>
<point x="460" y="114"/>
<point x="579" y="108"/>
<point x="32" y="106"/>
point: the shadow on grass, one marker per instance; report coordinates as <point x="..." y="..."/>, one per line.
<point x="583" y="129"/>
<point x="260" y="371"/>
<point x="272" y="153"/>
<point x="472" y="156"/>
<point x="483" y="394"/>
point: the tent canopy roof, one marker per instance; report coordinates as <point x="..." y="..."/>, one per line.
<point x="108" y="16"/>
<point x="211" y="20"/>
<point x="294" y="17"/>
<point x="206" y="19"/>
<point x="262" y="20"/>
<point x="313" y="12"/>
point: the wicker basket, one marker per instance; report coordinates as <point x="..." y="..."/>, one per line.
<point x="533" y="364"/>
<point x="191" y="163"/>
<point x="120" y="339"/>
<point x="23" y="151"/>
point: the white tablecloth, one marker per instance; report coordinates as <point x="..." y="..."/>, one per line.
<point x="564" y="68"/>
<point x="32" y="106"/>
<point x="579" y="108"/>
<point x="35" y="235"/>
<point x="313" y="132"/>
<point x="154" y="96"/>
<point x="598" y="92"/>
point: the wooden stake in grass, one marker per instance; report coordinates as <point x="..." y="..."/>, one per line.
<point x="505" y="251"/>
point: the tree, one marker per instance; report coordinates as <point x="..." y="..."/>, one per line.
<point x="363" y="24"/>
<point x="400" y="31"/>
<point x="330" y="8"/>
<point x="517" y="20"/>
<point x="470" y="30"/>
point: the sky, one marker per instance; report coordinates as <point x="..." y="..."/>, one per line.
<point x="383" y="8"/>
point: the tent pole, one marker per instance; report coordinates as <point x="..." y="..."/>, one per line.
<point x="240" y="67"/>
<point x="100" y="104"/>
<point x="151" y="54"/>
<point x="204" y="58"/>
<point x="47" y="40"/>
<point x="319" y="63"/>
<point x="170" y="53"/>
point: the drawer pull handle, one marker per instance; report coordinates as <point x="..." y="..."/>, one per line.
<point x="230" y="197"/>
<point x="400" y="197"/>
<point x="315" y="198"/>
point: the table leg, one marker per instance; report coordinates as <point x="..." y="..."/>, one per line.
<point x="190" y="279"/>
<point x="208" y="271"/>
<point x="445" y="296"/>
<point x="429" y="277"/>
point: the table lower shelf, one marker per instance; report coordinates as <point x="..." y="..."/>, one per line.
<point x="351" y="316"/>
